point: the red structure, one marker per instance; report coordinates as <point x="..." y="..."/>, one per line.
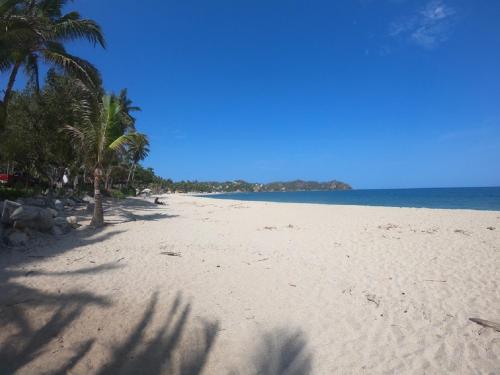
<point x="6" y="178"/>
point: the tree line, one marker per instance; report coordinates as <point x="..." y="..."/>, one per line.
<point x="64" y="127"/>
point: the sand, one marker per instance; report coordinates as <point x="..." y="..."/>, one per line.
<point x="228" y="287"/>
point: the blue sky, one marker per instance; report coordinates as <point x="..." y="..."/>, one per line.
<point x="377" y="93"/>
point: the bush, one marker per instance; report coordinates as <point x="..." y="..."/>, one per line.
<point x="12" y="193"/>
<point x="117" y="194"/>
<point x="120" y="194"/>
<point x="129" y="192"/>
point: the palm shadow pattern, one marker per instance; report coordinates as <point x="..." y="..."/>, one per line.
<point x="139" y="354"/>
<point x="171" y="346"/>
<point x="283" y="352"/>
<point x="147" y="351"/>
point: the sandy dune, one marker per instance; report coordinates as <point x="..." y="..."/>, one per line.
<point x="226" y="287"/>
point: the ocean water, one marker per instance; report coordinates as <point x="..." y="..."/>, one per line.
<point x="484" y="198"/>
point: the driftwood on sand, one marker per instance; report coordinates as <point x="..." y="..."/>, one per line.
<point x="486" y="323"/>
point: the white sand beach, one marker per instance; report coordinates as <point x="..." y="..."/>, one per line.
<point x="230" y="287"/>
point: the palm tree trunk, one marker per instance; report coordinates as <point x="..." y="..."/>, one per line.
<point x="129" y="174"/>
<point x="107" y="179"/>
<point x="98" y="217"/>
<point x="133" y="172"/>
<point x="7" y="95"/>
<point x="10" y="84"/>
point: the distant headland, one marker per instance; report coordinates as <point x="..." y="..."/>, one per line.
<point x="244" y="186"/>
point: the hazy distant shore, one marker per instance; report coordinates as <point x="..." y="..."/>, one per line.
<point x="229" y="285"/>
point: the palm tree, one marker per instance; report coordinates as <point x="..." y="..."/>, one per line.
<point x="99" y="136"/>
<point x="138" y="149"/>
<point x="127" y="109"/>
<point x="36" y="30"/>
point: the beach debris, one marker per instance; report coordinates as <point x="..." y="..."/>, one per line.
<point x="262" y="260"/>
<point x="486" y="323"/>
<point x="270" y="228"/>
<point x="430" y="230"/>
<point x="388" y="226"/>
<point x="292" y="285"/>
<point x="290" y="226"/>
<point x="373" y="298"/>
<point x="171" y="253"/>
<point x="119" y="260"/>
<point x="436" y="281"/>
<point x="490" y="228"/>
<point x="461" y="231"/>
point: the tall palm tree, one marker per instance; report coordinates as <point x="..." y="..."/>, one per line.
<point x="138" y="149"/>
<point x="36" y="30"/>
<point x="127" y="109"/>
<point x="99" y="136"/>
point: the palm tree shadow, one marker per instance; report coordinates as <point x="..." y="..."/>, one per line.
<point x="161" y="352"/>
<point x="23" y="340"/>
<point x="280" y="352"/>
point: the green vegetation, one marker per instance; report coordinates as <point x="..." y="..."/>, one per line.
<point x="67" y="133"/>
<point x="36" y="30"/>
<point x="12" y="193"/>
<point x="243" y="186"/>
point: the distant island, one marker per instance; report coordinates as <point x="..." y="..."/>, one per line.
<point x="244" y="186"/>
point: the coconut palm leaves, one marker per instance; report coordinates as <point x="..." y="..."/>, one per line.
<point x="36" y="30"/>
<point x="137" y="150"/>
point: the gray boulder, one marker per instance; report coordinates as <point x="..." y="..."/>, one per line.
<point x="8" y="209"/>
<point x="61" y="226"/>
<point x="53" y="212"/>
<point x="73" y="221"/>
<point x="88" y="199"/>
<point x="17" y="238"/>
<point x="32" y="217"/>
<point x="69" y="202"/>
<point x="58" y="205"/>
<point x="36" y="201"/>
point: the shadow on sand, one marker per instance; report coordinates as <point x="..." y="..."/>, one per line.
<point x="148" y="348"/>
<point x="165" y="340"/>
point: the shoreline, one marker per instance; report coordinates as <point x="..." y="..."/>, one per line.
<point x="342" y="205"/>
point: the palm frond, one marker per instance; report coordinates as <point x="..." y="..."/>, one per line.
<point x="74" y="132"/>
<point x="80" y="68"/>
<point x="71" y="27"/>
<point x="120" y="142"/>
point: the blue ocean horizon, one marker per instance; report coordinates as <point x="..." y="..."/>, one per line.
<point x="474" y="198"/>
